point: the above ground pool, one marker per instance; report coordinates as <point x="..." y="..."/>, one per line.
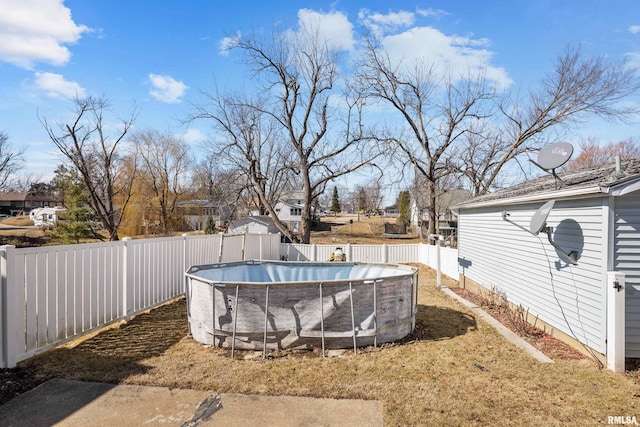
<point x="273" y="305"/>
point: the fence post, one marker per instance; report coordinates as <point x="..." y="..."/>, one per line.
<point x="385" y="254"/>
<point x="616" y="289"/>
<point x="185" y="260"/>
<point x="244" y="244"/>
<point x="314" y="252"/>
<point x="438" y="239"/>
<point x="221" y="248"/>
<point x="127" y="279"/>
<point x="12" y="310"/>
<point x="439" y="263"/>
<point x="348" y="253"/>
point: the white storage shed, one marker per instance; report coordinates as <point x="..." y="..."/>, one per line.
<point x="262" y="224"/>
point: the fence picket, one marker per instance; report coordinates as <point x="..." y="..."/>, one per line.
<point x="52" y="297"/>
<point x="61" y="318"/>
<point x="30" y="302"/>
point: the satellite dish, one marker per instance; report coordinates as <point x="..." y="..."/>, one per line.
<point x="539" y="219"/>
<point x="539" y="223"/>
<point x="554" y="155"/>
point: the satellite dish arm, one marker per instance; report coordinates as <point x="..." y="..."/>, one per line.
<point x="538" y="165"/>
<point x="572" y="257"/>
<point x="505" y="216"/>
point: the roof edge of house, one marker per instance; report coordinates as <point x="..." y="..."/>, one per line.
<point x="529" y="198"/>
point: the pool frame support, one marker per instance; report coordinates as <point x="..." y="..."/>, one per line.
<point x="414" y="282"/>
<point x="321" y="317"/>
<point x="353" y="319"/>
<point x="375" y="314"/>
<point x="266" y="321"/>
<point x="235" y="322"/>
<point x="213" y="315"/>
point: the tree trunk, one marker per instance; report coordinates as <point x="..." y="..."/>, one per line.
<point x="431" y="209"/>
<point x="305" y="226"/>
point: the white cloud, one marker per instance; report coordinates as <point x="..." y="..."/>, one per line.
<point x="36" y="31"/>
<point x="56" y="86"/>
<point x="634" y="29"/>
<point x="432" y="12"/>
<point x="633" y="60"/>
<point x="227" y="43"/>
<point x="333" y="27"/>
<point x="193" y="135"/>
<point x="166" y="88"/>
<point x="451" y="55"/>
<point x="380" y="23"/>
<point x="393" y="19"/>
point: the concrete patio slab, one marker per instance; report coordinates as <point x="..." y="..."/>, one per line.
<point x="76" y="403"/>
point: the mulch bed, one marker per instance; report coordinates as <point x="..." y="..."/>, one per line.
<point x="550" y="346"/>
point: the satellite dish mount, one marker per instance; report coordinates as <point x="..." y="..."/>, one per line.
<point x="552" y="157"/>
<point x="539" y="223"/>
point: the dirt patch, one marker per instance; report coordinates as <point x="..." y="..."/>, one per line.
<point x="25" y="240"/>
<point x="363" y="231"/>
<point x="14" y="382"/>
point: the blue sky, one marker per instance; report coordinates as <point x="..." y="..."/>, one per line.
<point x="160" y="55"/>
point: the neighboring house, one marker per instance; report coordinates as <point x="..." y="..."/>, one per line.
<point x="262" y="224"/>
<point x="446" y="217"/>
<point x="597" y="215"/>
<point x="290" y="213"/>
<point x="21" y="203"/>
<point x="391" y="211"/>
<point x="196" y="213"/>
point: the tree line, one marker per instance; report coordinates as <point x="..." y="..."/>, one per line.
<point x="308" y="120"/>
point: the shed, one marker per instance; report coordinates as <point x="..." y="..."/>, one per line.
<point x="597" y="215"/>
<point x="261" y="224"/>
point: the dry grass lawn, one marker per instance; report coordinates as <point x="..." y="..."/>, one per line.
<point x="453" y="370"/>
<point x="362" y="232"/>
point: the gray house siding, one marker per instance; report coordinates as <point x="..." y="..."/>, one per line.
<point x="527" y="268"/>
<point x="627" y="260"/>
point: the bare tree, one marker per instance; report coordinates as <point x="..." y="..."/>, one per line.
<point x="578" y="88"/>
<point x="98" y="158"/>
<point x="164" y="164"/>
<point x="593" y="154"/>
<point x="438" y="113"/>
<point x="226" y="189"/>
<point x="210" y="180"/>
<point x="297" y="78"/>
<point x="11" y="160"/>
<point x="368" y="197"/>
<point x="464" y="127"/>
<point x="250" y="144"/>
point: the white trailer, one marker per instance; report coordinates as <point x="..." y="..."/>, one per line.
<point x="46" y="217"/>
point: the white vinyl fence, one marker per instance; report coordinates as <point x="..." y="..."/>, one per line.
<point x="417" y="252"/>
<point x="52" y="294"/>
